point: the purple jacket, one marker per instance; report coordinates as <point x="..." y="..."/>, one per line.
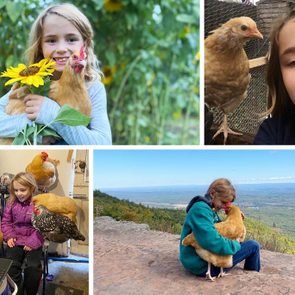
<point x="16" y="223"/>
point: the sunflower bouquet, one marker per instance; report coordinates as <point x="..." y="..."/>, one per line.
<point x="36" y="78"/>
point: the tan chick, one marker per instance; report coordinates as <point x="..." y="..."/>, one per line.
<point x="227" y="67"/>
<point x="232" y="227"/>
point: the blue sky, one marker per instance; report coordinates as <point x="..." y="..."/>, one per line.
<point x="135" y="168"/>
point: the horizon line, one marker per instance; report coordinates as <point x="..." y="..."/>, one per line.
<point x="174" y="185"/>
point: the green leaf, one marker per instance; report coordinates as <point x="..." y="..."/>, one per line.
<point x="13" y="10"/>
<point x="29" y="130"/>
<point x="2" y="3"/>
<point x="71" y="117"/>
<point x="48" y="132"/>
<point x="19" y="139"/>
<point x="111" y="58"/>
<point x="186" y="18"/>
<point x="98" y="4"/>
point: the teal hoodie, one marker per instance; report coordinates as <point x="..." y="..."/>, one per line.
<point x="200" y="220"/>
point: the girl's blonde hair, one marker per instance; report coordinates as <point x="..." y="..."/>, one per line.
<point x="279" y="100"/>
<point x="25" y="179"/>
<point x="81" y="23"/>
<point x="222" y="188"/>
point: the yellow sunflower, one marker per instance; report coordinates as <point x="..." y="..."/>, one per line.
<point x="31" y="75"/>
<point x="112" y="5"/>
<point x="108" y="73"/>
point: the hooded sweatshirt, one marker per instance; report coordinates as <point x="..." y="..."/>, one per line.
<point x="200" y="220"/>
<point x="16" y="223"/>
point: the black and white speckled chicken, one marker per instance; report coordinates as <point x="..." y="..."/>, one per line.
<point x="55" y="227"/>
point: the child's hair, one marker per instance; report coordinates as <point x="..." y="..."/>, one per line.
<point x="278" y="97"/>
<point x="222" y="188"/>
<point x="25" y="179"/>
<point x="82" y="24"/>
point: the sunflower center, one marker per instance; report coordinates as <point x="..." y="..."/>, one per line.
<point x="30" y="71"/>
<point x="108" y="73"/>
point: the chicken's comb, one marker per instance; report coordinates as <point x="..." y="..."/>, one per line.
<point x="44" y="154"/>
<point x="82" y="53"/>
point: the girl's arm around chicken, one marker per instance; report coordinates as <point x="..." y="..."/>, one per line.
<point x="201" y="220"/>
<point x="99" y="132"/>
<point x="11" y="125"/>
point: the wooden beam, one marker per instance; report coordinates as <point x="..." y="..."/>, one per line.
<point x="257" y="62"/>
<point x="70" y="155"/>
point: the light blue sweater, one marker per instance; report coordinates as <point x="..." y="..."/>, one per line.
<point x="98" y="133"/>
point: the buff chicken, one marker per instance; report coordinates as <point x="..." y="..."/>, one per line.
<point x="44" y="171"/>
<point x="227" y="67"/>
<point x="232" y="227"/>
<point x="57" y="204"/>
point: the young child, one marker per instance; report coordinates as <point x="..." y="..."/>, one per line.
<point x="200" y="219"/>
<point x="58" y="32"/>
<point x="23" y="240"/>
<point x="280" y="128"/>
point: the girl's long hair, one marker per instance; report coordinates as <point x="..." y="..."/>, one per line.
<point x="82" y="24"/>
<point x="25" y="179"/>
<point x="223" y="188"/>
<point x="278" y="97"/>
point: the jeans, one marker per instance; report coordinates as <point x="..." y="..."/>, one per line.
<point x="250" y="252"/>
<point x="32" y="270"/>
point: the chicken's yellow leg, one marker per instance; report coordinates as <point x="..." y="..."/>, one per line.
<point x="225" y="129"/>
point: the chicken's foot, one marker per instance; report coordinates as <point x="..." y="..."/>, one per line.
<point x="225" y="129"/>
<point x="222" y="273"/>
<point x="208" y="273"/>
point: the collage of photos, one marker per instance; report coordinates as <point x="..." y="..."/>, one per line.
<point x="147" y="147"/>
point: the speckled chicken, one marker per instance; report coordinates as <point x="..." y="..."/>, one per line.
<point x="232" y="227"/>
<point x="55" y="227"/>
<point x="227" y="67"/>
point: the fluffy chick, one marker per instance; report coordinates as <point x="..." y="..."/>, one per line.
<point x="227" y="67"/>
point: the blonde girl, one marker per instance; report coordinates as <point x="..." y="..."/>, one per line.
<point x="24" y="242"/>
<point x="57" y="33"/>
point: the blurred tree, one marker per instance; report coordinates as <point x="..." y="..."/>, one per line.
<point x="149" y="55"/>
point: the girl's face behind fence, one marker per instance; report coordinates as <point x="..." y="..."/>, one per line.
<point x="286" y="42"/>
<point x="60" y="39"/>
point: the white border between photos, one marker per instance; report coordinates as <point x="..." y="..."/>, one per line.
<point x="201" y="82"/>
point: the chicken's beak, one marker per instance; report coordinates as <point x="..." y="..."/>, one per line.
<point x="256" y="34"/>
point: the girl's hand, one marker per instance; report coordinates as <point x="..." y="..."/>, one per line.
<point x="33" y="104"/>
<point x="11" y="242"/>
<point x="27" y="248"/>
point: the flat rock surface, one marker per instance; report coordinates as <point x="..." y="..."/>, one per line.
<point x="130" y="258"/>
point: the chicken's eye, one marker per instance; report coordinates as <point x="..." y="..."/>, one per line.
<point x="244" y="27"/>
